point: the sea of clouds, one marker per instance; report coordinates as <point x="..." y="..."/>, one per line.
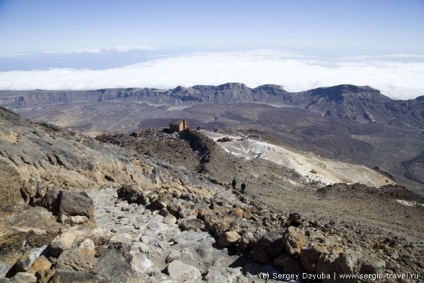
<point x="399" y="76"/>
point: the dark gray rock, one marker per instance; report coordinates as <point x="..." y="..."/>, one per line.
<point x="112" y="267"/>
<point x="191" y="224"/>
<point x="76" y="204"/>
<point x="268" y="247"/>
<point x="71" y="276"/>
<point x="50" y="201"/>
<point x="26" y="260"/>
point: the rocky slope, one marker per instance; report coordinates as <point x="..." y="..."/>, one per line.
<point x="363" y="104"/>
<point x="84" y="211"/>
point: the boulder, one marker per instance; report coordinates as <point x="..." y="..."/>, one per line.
<point x="132" y="193"/>
<point x="62" y="242"/>
<point x="28" y="259"/>
<point x="248" y="240"/>
<point x="87" y="246"/>
<point x="309" y="257"/>
<point x="183" y="272"/>
<point x="268" y="247"/>
<point x="50" y="201"/>
<point x="229" y="238"/>
<point x="348" y="261"/>
<point x="294" y="219"/>
<point x="140" y="263"/>
<point x="371" y="264"/>
<point x="71" y="276"/>
<point x="41" y="264"/>
<point x="66" y="205"/>
<point x="113" y="267"/>
<point x="120" y="242"/>
<point x="169" y="219"/>
<point x="76" y="259"/>
<point x="293" y="240"/>
<point x="191" y="224"/>
<point x="76" y="204"/>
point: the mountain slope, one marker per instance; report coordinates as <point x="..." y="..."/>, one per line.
<point x="363" y="104"/>
<point x="84" y="210"/>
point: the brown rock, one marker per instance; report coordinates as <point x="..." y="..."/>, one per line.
<point x="247" y="241"/>
<point x="229" y="238"/>
<point x="217" y="227"/>
<point x="247" y="214"/>
<point x="40" y="265"/>
<point x="238" y="212"/>
<point x="61" y="243"/>
<point x="87" y="246"/>
<point x="293" y="240"/>
<point x="310" y="255"/>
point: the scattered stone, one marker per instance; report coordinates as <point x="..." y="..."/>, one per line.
<point x="140" y="263"/>
<point x="170" y="219"/>
<point x="229" y="238"/>
<point x="309" y="257"/>
<point x="71" y="276"/>
<point x="293" y="220"/>
<point x="223" y="274"/>
<point x="41" y="264"/>
<point x="268" y="247"/>
<point x="191" y="224"/>
<point x="113" y="267"/>
<point x="180" y="271"/>
<point x="61" y="243"/>
<point x="28" y="259"/>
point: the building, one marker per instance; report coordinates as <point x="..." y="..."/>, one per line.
<point x="178" y="125"/>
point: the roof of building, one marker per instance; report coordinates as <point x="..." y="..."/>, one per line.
<point x="176" y="122"/>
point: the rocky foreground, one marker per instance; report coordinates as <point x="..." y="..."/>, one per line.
<point x="74" y="209"/>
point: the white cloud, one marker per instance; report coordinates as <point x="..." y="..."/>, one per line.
<point x="117" y="49"/>
<point x="398" y="80"/>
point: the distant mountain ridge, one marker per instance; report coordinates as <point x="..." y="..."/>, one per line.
<point x="361" y="103"/>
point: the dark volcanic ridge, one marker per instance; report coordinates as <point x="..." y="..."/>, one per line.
<point x="359" y="103"/>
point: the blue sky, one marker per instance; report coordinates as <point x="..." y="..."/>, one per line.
<point x="104" y="36"/>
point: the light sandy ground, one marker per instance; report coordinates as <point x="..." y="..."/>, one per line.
<point x="311" y="166"/>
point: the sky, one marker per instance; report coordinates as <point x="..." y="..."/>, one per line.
<point x="302" y="44"/>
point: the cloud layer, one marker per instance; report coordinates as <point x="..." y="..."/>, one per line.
<point x="117" y="49"/>
<point x="399" y="80"/>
